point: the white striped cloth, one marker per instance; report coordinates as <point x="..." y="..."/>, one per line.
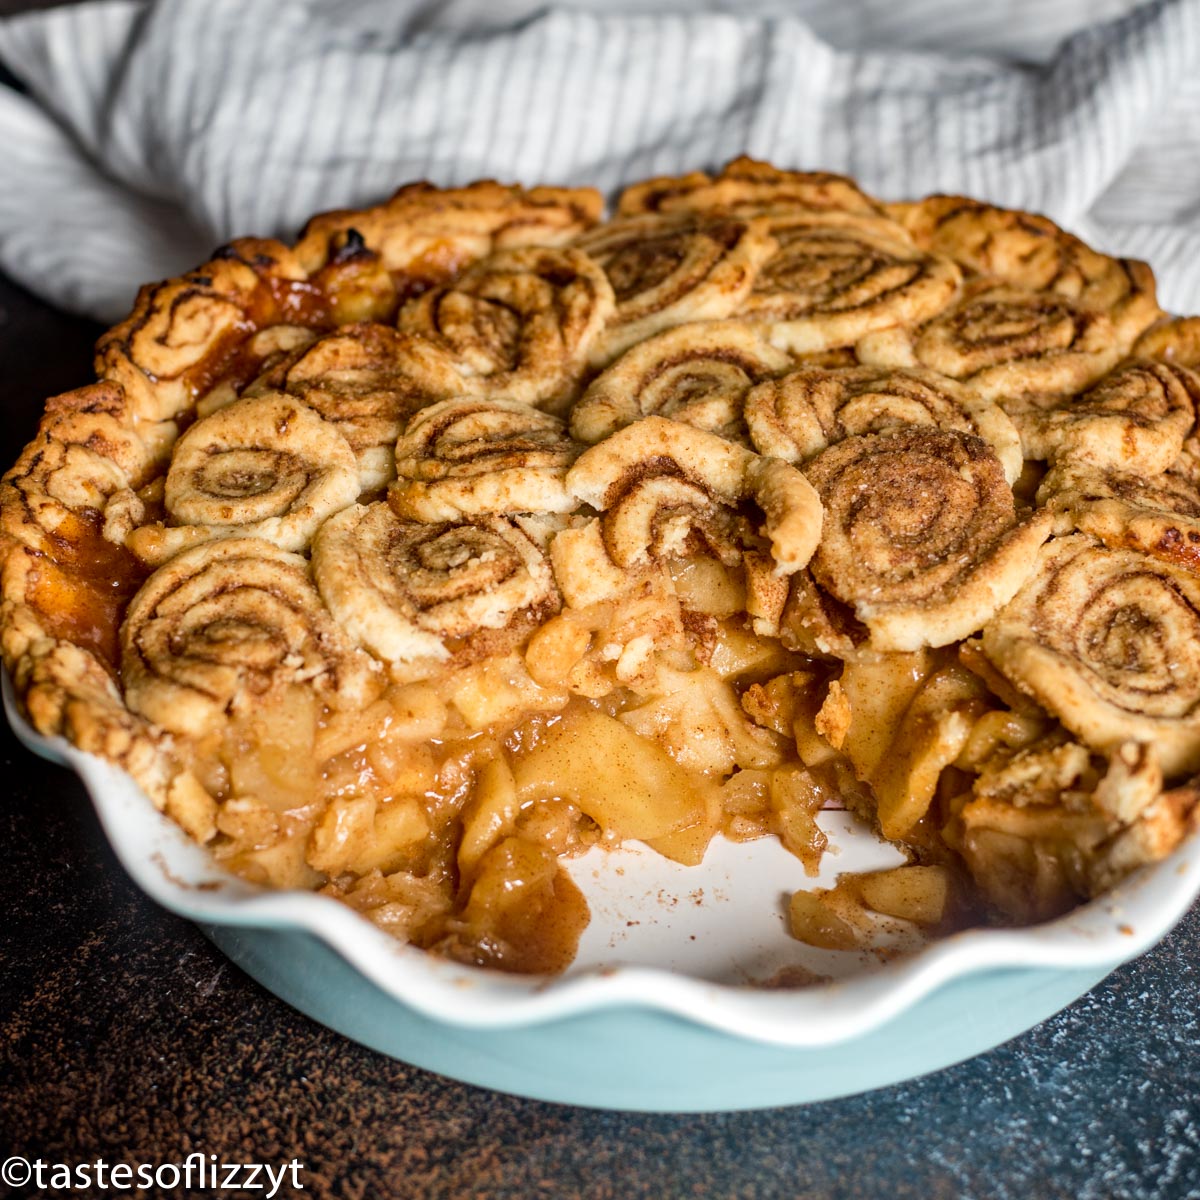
<point x="149" y="133"/>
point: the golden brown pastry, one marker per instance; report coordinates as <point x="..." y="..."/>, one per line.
<point x="698" y="374"/>
<point x="746" y="186"/>
<point x="466" y="458"/>
<point x="671" y="270"/>
<point x="1136" y="418"/>
<point x="1175" y="341"/>
<point x="264" y="466"/>
<point x="88" y="448"/>
<point x="367" y="380"/>
<point x="222" y="626"/>
<point x="1158" y="515"/>
<point x="1108" y="640"/>
<point x="662" y="485"/>
<point x="404" y="588"/>
<point x="426" y="235"/>
<point x="798" y="415"/>
<point x="183" y="333"/>
<point x="836" y="278"/>
<point x="520" y="324"/>
<point x="1005" y="341"/>
<point x="921" y="534"/>
<point x="1032" y="252"/>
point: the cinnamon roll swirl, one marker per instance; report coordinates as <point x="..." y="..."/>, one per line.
<point x="1157" y="515"/>
<point x="88" y="448"/>
<point x="836" y="278"/>
<point x="1135" y="419"/>
<point x="746" y="186"/>
<point x="921" y="534"/>
<point x="669" y="270"/>
<point x="265" y="466"/>
<point x="219" y="627"/>
<point x="366" y="380"/>
<point x="663" y="486"/>
<point x="798" y="415"/>
<point x="1032" y="252"/>
<point x="1108" y="640"/>
<point x="1005" y="341"/>
<point x="404" y="588"/>
<point x="184" y="332"/>
<point x="697" y="374"/>
<point x="520" y="323"/>
<point x="467" y="458"/>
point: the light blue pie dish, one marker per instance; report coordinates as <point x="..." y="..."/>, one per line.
<point x="665" y="1008"/>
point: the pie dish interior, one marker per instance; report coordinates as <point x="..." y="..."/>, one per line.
<point x="472" y="533"/>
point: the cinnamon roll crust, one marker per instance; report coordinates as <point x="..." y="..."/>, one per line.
<point x="670" y="270"/>
<point x="463" y="458"/>
<point x="221" y="626"/>
<point x="264" y="466"/>
<point x="1135" y="419"/>
<point x="426" y="234"/>
<point x="835" y="278"/>
<point x="660" y="484"/>
<point x="403" y="589"/>
<point x="1005" y="341"/>
<point x="1108" y="640"/>
<point x="800" y="414"/>
<point x="698" y="374"/>
<point x="747" y="186"/>
<point x="520" y="324"/>
<point x="1032" y="252"/>
<point x="921" y="534"/>
<point x="1159" y="515"/>
<point x="367" y="380"/>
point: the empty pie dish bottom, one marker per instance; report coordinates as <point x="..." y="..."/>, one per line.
<point x="687" y="992"/>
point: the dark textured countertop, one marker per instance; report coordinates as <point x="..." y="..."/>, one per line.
<point x="125" y="1033"/>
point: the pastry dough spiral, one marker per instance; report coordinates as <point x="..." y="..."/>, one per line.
<point x="183" y="332"/>
<point x="264" y="466"/>
<point x="465" y="458"/>
<point x="218" y="627"/>
<point x="660" y="484"/>
<point x="1032" y="252"/>
<point x="745" y="187"/>
<point x="836" y="278"/>
<point x="669" y="270"/>
<point x="798" y="415"/>
<point x="402" y="588"/>
<point x="1005" y="341"/>
<point x="697" y="374"/>
<point x="367" y="380"/>
<point x="921" y="534"/>
<point x="520" y="323"/>
<point x="87" y="449"/>
<point x="1136" y="418"/>
<point x="1109" y="641"/>
<point x="1158" y="515"/>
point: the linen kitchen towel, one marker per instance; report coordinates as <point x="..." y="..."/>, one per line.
<point x="145" y="134"/>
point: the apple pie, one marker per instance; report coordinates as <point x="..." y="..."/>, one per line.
<point x="474" y="530"/>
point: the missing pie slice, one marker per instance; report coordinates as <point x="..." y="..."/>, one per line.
<point x="472" y="531"/>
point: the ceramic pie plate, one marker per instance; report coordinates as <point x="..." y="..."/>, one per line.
<point x="687" y="993"/>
